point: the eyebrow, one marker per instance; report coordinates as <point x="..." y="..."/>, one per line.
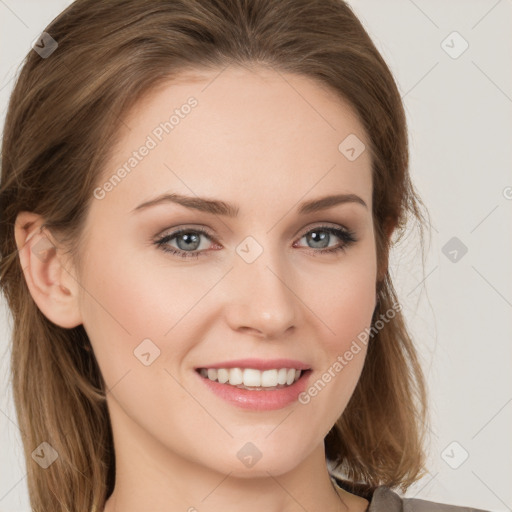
<point x="217" y="207"/>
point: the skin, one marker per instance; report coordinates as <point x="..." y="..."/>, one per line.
<point x="265" y="141"/>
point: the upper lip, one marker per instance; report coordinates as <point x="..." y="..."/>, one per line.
<point x="259" y="364"/>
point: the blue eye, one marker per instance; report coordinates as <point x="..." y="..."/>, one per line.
<point x="189" y="236"/>
<point x="322" y="233"/>
<point x="192" y="238"/>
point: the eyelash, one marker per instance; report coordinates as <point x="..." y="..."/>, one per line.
<point x="347" y="236"/>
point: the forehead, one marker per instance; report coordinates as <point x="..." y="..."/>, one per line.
<point x="241" y="135"/>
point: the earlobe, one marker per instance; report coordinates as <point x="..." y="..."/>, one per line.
<point x="50" y="282"/>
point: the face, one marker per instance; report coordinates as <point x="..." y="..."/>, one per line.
<point x="169" y="289"/>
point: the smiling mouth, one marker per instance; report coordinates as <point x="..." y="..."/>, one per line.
<point x="253" y="379"/>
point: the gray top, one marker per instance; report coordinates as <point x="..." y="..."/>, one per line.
<point x="386" y="500"/>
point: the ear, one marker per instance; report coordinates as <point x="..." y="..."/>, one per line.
<point x="389" y="227"/>
<point x="51" y="284"/>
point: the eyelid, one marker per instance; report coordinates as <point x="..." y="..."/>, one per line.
<point x="182" y="228"/>
<point x="324" y="225"/>
<point x="346" y="236"/>
<point x="214" y="237"/>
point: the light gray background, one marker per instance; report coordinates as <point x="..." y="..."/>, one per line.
<point x="459" y="114"/>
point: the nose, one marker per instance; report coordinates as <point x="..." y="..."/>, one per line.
<point x="262" y="299"/>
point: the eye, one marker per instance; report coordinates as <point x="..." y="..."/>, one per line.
<point x="188" y="241"/>
<point x="321" y="235"/>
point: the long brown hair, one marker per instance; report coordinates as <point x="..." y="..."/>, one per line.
<point x="61" y="124"/>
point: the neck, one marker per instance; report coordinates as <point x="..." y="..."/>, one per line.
<point x="143" y="483"/>
<point x="149" y="476"/>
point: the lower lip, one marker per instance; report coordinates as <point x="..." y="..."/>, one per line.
<point x="259" y="400"/>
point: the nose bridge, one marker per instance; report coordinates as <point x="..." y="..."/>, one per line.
<point x="263" y="297"/>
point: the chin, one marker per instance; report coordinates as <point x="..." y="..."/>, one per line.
<point x="262" y="469"/>
<point x="259" y="466"/>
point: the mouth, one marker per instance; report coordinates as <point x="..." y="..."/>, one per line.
<point x="252" y="379"/>
<point x="256" y="384"/>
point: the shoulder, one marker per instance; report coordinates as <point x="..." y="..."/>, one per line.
<point x="385" y="499"/>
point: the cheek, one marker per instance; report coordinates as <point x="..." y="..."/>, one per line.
<point x="344" y="310"/>
<point x="344" y="346"/>
<point x="350" y="312"/>
<point x="124" y="305"/>
<point x="343" y="301"/>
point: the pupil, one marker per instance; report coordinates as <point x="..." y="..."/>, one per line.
<point x="188" y="238"/>
<point x="322" y="235"/>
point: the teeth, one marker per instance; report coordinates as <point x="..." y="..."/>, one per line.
<point x="236" y="376"/>
<point x="281" y="376"/>
<point x="252" y="378"/>
<point x="270" y="378"/>
<point x="222" y="375"/>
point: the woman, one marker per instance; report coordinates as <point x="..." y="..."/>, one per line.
<point x="198" y="200"/>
